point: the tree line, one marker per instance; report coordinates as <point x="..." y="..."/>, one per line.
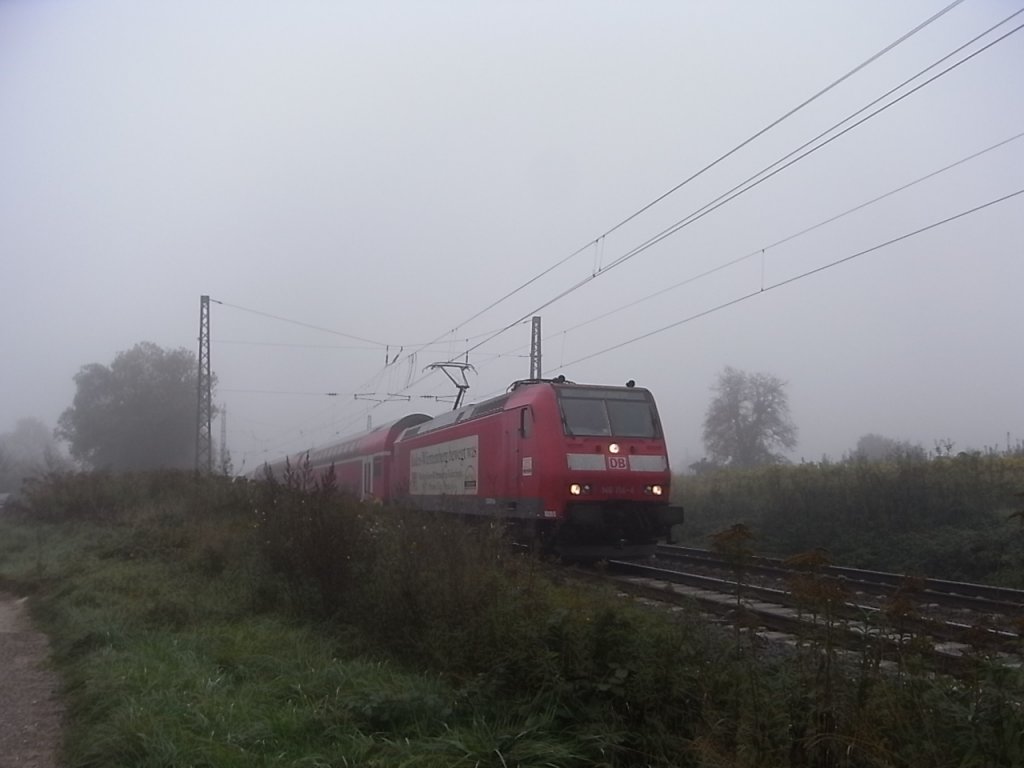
<point x="139" y="413"/>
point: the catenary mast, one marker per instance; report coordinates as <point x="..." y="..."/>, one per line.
<point x="204" y="400"/>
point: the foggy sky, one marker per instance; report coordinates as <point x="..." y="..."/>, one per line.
<point x="388" y="170"/>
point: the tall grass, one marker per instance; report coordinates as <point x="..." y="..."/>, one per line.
<point x="948" y="516"/>
<point x="283" y="624"/>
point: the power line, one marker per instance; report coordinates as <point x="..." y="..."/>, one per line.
<point x="378" y="344"/>
<point x="379" y="376"/>
<point x="750" y="183"/>
<point x="237" y="342"/>
<point x="718" y="160"/>
<point x="290" y="434"/>
<point x="754" y="180"/>
<point x="789" y="238"/>
<point x="284" y="392"/>
<point x="714" y="205"/>
<point x="371" y="384"/>
<point x="288" y="345"/>
<point x="790" y="113"/>
<point x="678" y="186"/>
<point x="793" y="279"/>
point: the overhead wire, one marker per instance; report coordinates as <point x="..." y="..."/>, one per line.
<point x="836" y="217"/>
<point x="300" y="323"/>
<point x="697" y="174"/>
<point x="767" y="172"/>
<point x="375" y="344"/>
<point x="488" y="337"/>
<point x="292" y="345"/>
<point x="596" y="241"/>
<point x="288" y="345"/>
<point x="283" y="392"/>
<point x="372" y="383"/>
<point x="294" y="433"/>
<point x="754" y="181"/>
<point x="795" y="278"/>
<point x="789" y="238"/>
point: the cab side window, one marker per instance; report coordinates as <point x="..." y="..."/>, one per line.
<point x="526" y="422"/>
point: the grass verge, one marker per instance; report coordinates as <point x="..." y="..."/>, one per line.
<point x="224" y="625"/>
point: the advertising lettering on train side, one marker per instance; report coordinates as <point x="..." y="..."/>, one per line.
<point x="445" y="469"/>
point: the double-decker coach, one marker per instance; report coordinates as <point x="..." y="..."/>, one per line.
<point x="362" y="463"/>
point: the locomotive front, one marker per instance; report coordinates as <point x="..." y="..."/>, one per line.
<point x="614" y="492"/>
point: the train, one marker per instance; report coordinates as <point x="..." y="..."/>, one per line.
<point x="580" y="469"/>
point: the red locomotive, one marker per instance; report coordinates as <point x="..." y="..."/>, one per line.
<point x="582" y="468"/>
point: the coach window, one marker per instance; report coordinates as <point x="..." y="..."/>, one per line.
<point x="367" y="480"/>
<point x="526" y="422"/>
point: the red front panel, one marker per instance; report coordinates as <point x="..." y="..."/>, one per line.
<point x="633" y="472"/>
<point x="549" y="462"/>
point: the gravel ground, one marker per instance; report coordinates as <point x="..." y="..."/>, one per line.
<point x="30" y="711"/>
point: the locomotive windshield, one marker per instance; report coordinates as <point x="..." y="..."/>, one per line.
<point x="608" y="413"/>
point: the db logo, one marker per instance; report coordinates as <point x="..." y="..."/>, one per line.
<point x="618" y="462"/>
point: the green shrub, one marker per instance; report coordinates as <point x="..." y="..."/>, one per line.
<point x="945" y="516"/>
<point x="276" y="626"/>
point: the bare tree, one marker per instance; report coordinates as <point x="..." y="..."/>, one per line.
<point x="748" y="420"/>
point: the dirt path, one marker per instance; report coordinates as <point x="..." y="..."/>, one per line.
<point x="30" y="712"/>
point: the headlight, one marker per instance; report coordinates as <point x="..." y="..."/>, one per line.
<point x="613" y="448"/>
<point x="656" y="490"/>
<point x="575" y="489"/>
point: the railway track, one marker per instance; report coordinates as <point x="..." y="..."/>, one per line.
<point x="954" y="625"/>
<point x="954" y="594"/>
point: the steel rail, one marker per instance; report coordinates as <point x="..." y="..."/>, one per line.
<point x="782" y="611"/>
<point x="977" y="597"/>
